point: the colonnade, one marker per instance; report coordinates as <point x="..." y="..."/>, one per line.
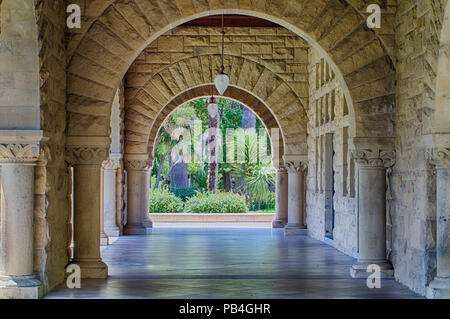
<point x="95" y="194"/>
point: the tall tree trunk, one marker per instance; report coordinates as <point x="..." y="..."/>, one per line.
<point x="212" y="167"/>
<point x="226" y="181"/>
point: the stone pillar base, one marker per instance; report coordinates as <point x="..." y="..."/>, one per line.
<point x="279" y="223"/>
<point x="439" y="288"/>
<point x="136" y="230"/>
<point x="92" y="268"/>
<point x="24" y="287"/>
<point x="295" y="229"/>
<point x="112" y="231"/>
<point x="359" y="269"/>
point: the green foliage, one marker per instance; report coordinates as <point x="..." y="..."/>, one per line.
<point x="163" y="201"/>
<point x="216" y="203"/>
<point x="256" y="169"/>
<point x="199" y="175"/>
<point x="184" y="193"/>
<point x="268" y="204"/>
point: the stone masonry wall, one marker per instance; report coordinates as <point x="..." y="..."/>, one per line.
<point x="278" y="49"/>
<point x="413" y="181"/>
<point x="53" y="183"/>
<point x="328" y="114"/>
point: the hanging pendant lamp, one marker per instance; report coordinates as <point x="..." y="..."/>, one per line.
<point x="222" y="80"/>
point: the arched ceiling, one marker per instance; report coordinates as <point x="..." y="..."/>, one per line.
<point x="254" y="85"/>
<point x="114" y="33"/>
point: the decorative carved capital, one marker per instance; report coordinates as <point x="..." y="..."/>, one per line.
<point x="138" y="164"/>
<point x="19" y="152"/>
<point x="295" y="163"/>
<point x="439" y="156"/>
<point x="113" y="162"/>
<point x="374" y="157"/>
<point x="20" y="147"/>
<point x="86" y="155"/>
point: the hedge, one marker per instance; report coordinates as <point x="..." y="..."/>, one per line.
<point x="216" y="203"/>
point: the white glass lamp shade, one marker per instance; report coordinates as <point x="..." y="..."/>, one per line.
<point x="213" y="109"/>
<point x="221" y="81"/>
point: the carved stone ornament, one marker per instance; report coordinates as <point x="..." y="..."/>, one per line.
<point x="19" y="152"/>
<point x="113" y="162"/>
<point x="296" y="166"/>
<point x="374" y="157"/>
<point x="138" y="164"/>
<point x="439" y="156"/>
<point x="86" y="155"/>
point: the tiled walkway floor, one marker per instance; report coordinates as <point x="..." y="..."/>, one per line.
<point x="226" y="263"/>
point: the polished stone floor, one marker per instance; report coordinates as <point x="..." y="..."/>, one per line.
<point x="175" y="262"/>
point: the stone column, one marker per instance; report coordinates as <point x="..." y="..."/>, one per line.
<point x="281" y="201"/>
<point x="18" y="156"/>
<point x="104" y="239"/>
<point x="138" y="177"/>
<point x="372" y="164"/>
<point x="110" y="168"/>
<point x="440" y="286"/>
<point x="87" y="161"/>
<point x="295" y="165"/>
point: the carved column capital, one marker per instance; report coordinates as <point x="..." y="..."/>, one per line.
<point x="374" y="157"/>
<point x="20" y="147"/>
<point x="86" y="155"/>
<point x="439" y="156"/>
<point x="113" y="162"/>
<point x="138" y="161"/>
<point x="373" y="152"/>
<point x="295" y="163"/>
<point x="89" y="150"/>
<point x="137" y="164"/>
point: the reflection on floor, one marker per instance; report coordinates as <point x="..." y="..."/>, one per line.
<point x="174" y="262"/>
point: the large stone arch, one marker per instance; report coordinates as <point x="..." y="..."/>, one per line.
<point x="120" y="30"/>
<point x="252" y="84"/>
<point x="234" y="93"/>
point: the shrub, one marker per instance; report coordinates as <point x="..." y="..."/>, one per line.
<point x="183" y="193"/>
<point x="162" y="201"/>
<point x="268" y="204"/>
<point x="216" y="203"/>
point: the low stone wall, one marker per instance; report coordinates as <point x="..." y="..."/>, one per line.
<point x="212" y="218"/>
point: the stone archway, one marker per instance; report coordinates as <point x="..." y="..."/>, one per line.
<point x="101" y="55"/>
<point x="262" y="90"/>
<point x="139" y="164"/>
<point x="233" y="93"/>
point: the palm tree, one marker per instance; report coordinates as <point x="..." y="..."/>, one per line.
<point x="257" y="172"/>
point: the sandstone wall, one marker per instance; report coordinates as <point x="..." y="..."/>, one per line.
<point x="278" y="49"/>
<point x="413" y="179"/>
<point x="53" y="182"/>
<point x="328" y="114"/>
